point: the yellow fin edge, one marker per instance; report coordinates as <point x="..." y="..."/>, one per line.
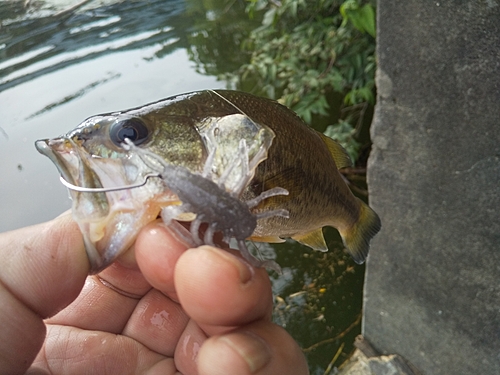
<point x="313" y="239"/>
<point x="357" y="238"/>
<point x="270" y="239"/>
<point x="339" y="154"/>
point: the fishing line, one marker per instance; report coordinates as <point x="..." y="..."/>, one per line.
<point x="232" y="104"/>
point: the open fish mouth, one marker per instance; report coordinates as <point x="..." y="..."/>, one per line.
<point x="54" y="150"/>
<point x="109" y="221"/>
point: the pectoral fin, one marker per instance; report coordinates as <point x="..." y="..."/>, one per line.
<point x="314" y="240"/>
<point x="186" y="216"/>
<point x="181" y="216"/>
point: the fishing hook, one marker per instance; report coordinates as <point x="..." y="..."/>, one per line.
<point x="105" y="190"/>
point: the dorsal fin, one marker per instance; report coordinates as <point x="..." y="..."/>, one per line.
<point x="313" y="239"/>
<point x="339" y="154"/>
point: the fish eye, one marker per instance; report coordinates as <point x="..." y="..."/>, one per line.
<point x="133" y="129"/>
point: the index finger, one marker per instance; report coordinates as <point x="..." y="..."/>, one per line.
<point x="216" y="288"/>
<point x="219" y="290"/>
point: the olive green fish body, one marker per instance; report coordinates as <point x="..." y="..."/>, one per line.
<point x="183" y="130"/>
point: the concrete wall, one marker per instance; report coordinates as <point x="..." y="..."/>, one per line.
<point x="432" y="291"/>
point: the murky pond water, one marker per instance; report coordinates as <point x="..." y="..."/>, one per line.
<point x="60" y="64"/>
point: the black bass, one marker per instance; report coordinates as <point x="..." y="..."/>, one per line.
<point x="181" y="130"/>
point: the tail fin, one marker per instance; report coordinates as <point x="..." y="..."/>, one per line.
<point x="357" y="238"/>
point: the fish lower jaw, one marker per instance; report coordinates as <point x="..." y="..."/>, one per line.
<point x="106" y="240"/>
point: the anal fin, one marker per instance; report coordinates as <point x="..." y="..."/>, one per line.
<point x="270" y="239"/>
<point x="314" y="239"/>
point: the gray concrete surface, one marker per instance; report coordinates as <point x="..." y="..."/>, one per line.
<point x="432" y="291"/>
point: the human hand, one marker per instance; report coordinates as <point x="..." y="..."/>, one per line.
<point x="161" y="309"/>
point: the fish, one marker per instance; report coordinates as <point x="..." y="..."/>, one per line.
<point x="184" y="130"/>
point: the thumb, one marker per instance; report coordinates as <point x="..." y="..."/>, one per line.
<point x="43" y="270"/>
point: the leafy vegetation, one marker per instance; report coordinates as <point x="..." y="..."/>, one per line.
<point x="316" y="57"/>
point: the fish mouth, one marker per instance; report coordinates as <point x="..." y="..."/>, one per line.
<point x="109" y="221"/>
<point x="47" y="147"/>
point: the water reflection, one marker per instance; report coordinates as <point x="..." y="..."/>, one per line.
<point x="65" y="38"/>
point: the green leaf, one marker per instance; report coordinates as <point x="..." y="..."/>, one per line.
<point x="362" y="18"/>
<point x="368" y="19"/>
<point x="269" y="17"/>
<point x="293" y="8"/>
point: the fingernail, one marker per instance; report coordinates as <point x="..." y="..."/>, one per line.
<point x="245" y="271"/>
<point x="252" y="349"/>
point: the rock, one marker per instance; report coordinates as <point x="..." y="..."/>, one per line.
<point x="366" y="361"/>
<point x="432" y="290"/>
<point x="383" y="365"/>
